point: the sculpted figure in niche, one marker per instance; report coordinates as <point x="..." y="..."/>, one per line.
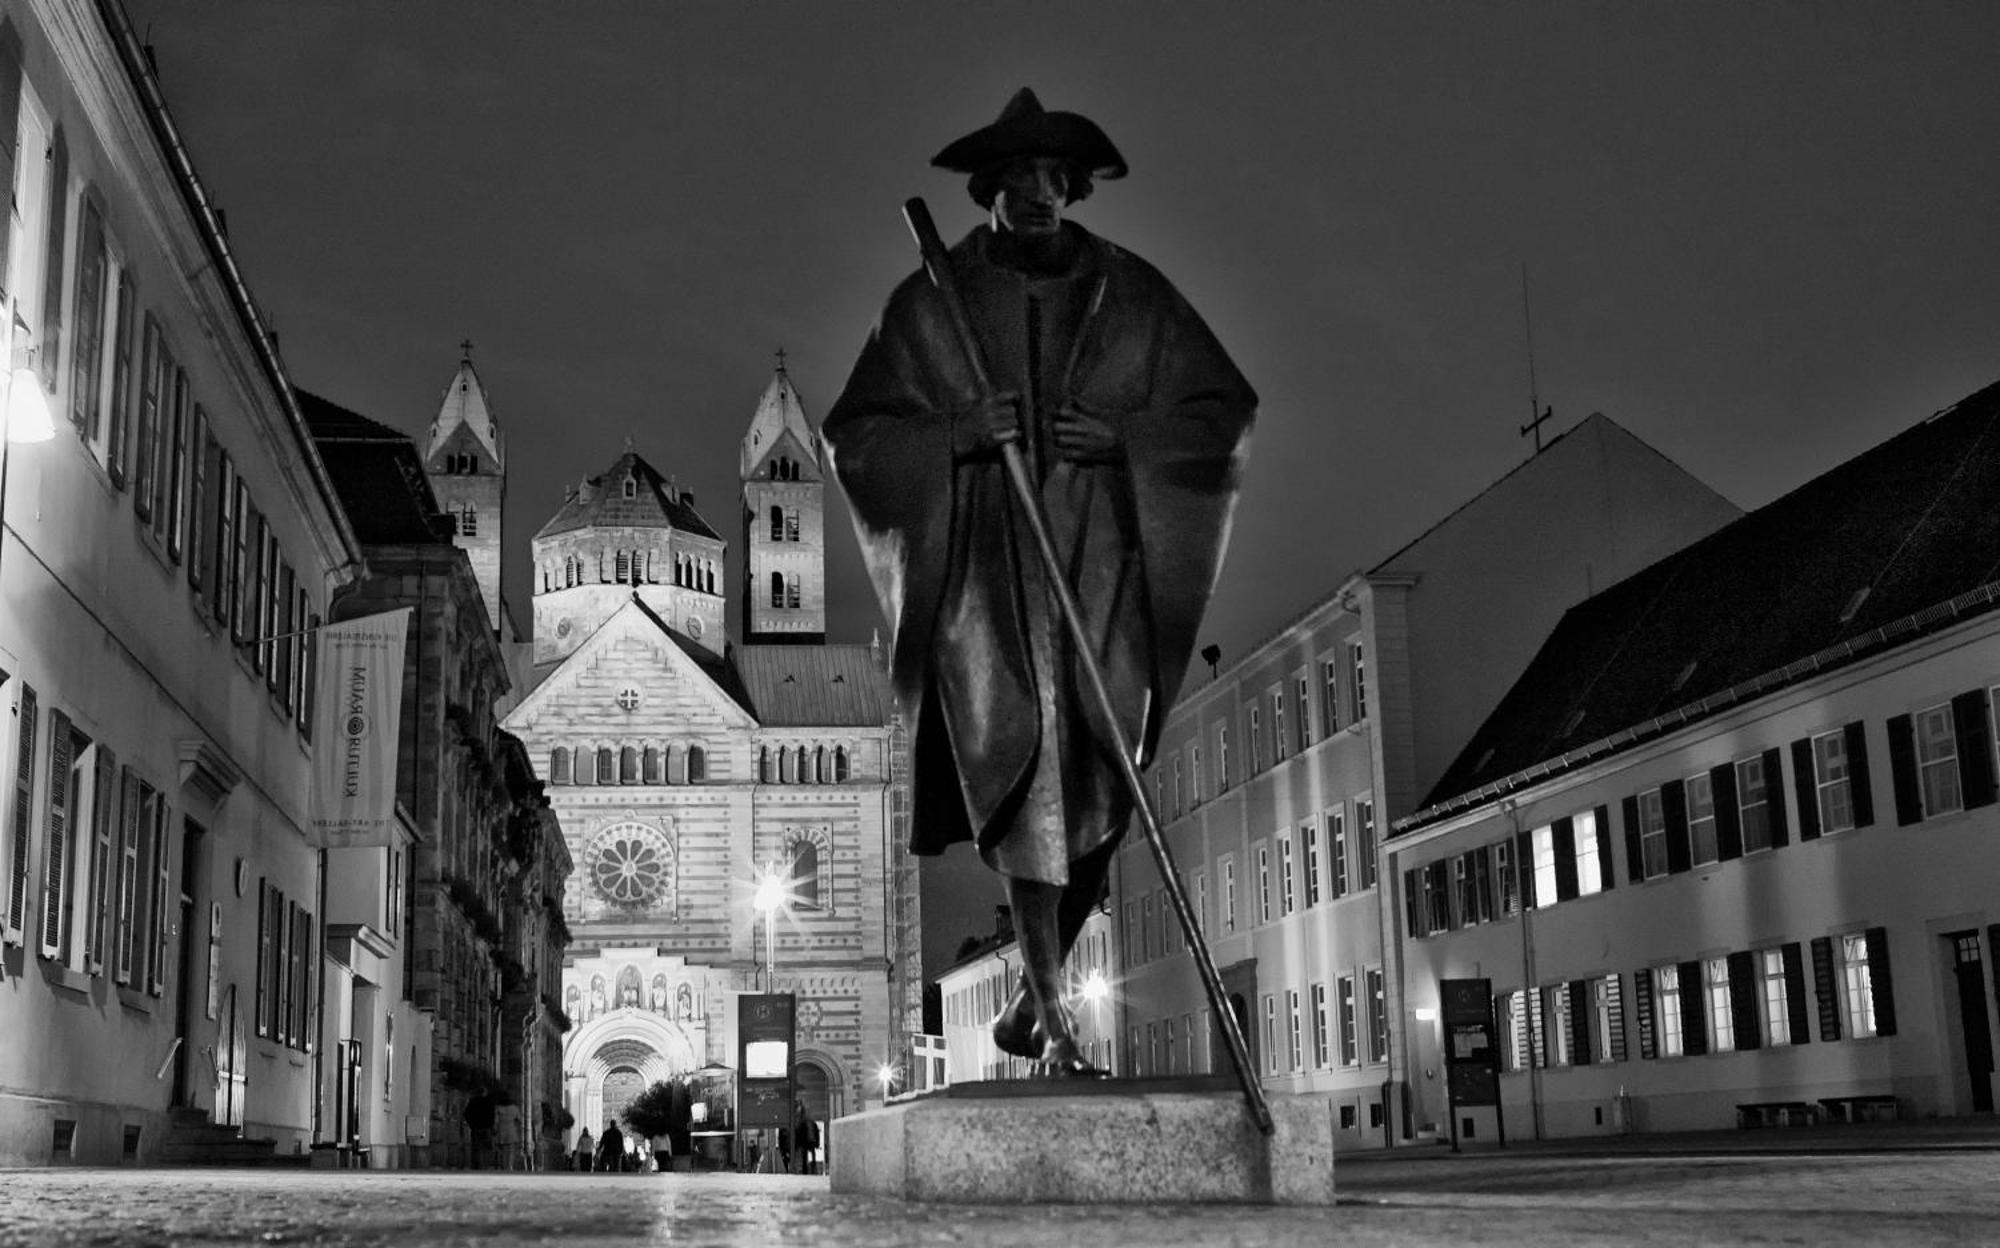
<point x="628" y="988"/>
<point x="684" y="1004"/>
<point x="657" y="1000"/>
<point x="573" y="1002"/>
<point x="597" y="1002"/>
<point x="1132" y="423"/>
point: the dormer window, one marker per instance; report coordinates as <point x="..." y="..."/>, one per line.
<point x="631" y="488"/>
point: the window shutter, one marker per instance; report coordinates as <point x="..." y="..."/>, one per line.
<point x="1579" y="1023"/>
<point x="1642" y="1005"/>
<point x="1972" y="718"/>
<point x="50" y="343"/>
<point x="1903" y="771"/>
<point x="1411" y="920"/>
<point x="1993" y="954"/>
<point x="1857" y="771"/>
<point x="55" y="880"/>
<point x="1538" y="1049"/>
<point x="1694" y="1010"/>
<point x="1743" y="1000"/>
<point x="1805" y="784"/>
<point x="1825" y="988"/>
<point x="128" y="877"/>
<point x="1524" y="868"/>
<point x="1614" y="1003"/>
<point x="1881" y="981"/>
<point x="1728" y="818"/>
<point x="309" y="691"/>
<point x="103" y="828"/>
<point x="1795" y="994"/>
<point x="1635" y="854"/>
<point x="24" y="770"/>
<point x="1564" y="835"/>
<point x="1605" y="871"/>
<point x="162" y="917"/>
<point x="10" y="119"/>
<point x="1674" y="803"/>
<point x="1774" y="796"/>
<point x="263" y="958"/>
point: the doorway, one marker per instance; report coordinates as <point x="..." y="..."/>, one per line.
<point x="1969" y="970"/>
<point x="185" y="1000"/>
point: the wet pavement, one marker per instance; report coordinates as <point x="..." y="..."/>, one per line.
<point x="1907" y="1187"/>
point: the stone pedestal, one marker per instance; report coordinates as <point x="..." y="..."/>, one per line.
<point x="1152" y="1141"/>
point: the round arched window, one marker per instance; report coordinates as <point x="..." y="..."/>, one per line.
<point x="631" y="865"/>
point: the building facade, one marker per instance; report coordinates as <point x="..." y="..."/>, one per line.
<point x="976" y="987"/>
<point x="682" y="769"/>
<point x="474" y="936"/>
<point x="1276" y="776"/>
<point x="162" y="559"/>
<point x="1724" y="854"/>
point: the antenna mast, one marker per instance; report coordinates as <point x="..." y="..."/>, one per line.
<point x="1536" y="412"/>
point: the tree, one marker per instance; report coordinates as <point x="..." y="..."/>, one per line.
<point x="661" y="1109"/>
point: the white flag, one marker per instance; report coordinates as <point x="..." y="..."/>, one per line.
<point x="359" y="713"/>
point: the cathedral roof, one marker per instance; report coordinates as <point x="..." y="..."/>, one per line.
<point x="802" y="686"/>
<point x="778" y="412"/>
<point x="464" y="403"/>
<point x="601" y="502"/>
<point x="376" y="473"/>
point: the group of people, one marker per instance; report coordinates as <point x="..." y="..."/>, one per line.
<point x="616" y="1152"/>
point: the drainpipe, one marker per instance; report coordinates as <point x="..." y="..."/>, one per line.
<point x="1522" y="873"/>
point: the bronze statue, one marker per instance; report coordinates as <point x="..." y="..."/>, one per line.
<point x="1132" y="423"/>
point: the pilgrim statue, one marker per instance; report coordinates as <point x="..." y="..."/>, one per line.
<point x="1133" y="424"/>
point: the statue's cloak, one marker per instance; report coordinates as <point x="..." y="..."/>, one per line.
<point x="944" y="543"/>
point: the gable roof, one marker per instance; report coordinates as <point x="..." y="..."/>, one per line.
<point x="464" y="405"/>
<point x="778" y="412"/>
<point x="632" y="614"/>
<point x="1900" y="540"/>
<point x="601" y="501"/>
<point x="377" y="475"/>
<point x="809" y="686"/>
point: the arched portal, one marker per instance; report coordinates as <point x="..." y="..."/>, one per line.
<point x="614" y="1057"/>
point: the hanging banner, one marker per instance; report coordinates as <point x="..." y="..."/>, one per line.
<point x="359" y="712"/>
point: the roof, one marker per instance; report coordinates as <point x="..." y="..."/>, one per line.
<point x="601" y="502"/>
<point x="778" y="412"/>
<point x="464" y="403"/>
<point x="376" y="473"/>
<point x="1850" y="561"/>
<point x="813" y="686"/>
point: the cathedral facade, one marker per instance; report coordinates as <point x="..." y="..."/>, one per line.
<point x="685" y="768"/>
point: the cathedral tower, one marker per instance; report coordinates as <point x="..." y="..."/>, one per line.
<point x="784" y="521"/>
<point x="466" y="461"/>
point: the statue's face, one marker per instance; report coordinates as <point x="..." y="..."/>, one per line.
<point x="1030" y="200"/>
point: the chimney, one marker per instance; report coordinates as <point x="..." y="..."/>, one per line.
<point x="687" y="498"/>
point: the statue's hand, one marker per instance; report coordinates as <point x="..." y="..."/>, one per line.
<point x="1085" y="435"/>
<point x="977" y="432"/>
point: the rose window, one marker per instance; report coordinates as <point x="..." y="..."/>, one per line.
<point x="631" y="865"/>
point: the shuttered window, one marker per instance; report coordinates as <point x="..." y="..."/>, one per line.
<point x="130" y="884"/>
<point x="50" y="342"/>
<point x="87" y="357"/>
<point x="20" y="811"/>
<point x="103" y="780"/>
<point x="59" y="844"/>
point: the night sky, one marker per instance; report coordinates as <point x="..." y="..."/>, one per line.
<point x="1762" y="238"/>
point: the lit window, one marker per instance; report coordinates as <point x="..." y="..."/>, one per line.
<point x="1858" y="984"/>
<point x="1336" y="838"/>
<point x="1270" y="1033"/>
<point x="1543" y="840"/>
<point x="1329" y="673"/>
<point x="1667" y="1008"/>
<point x="1721" y="1013"/>
<point x="1378" y="1019"/>
<point x="1263" y="883"/>
<point x="1194" y="774"/>
<point x="1285" y="897"/>
<point x="1322" y="1031"/>
<point x="1302" y="708"/>
<point x="1357" y="667"/>
<point x="1228" y="871"/>
<point x="1222" y="758"/>
<point x="1589" y="863"/>
<point x="1701" y="817"/>
<point x="1350" y="1050"/>
<point x="1298" y="1030"/>
<point x="1278" y="742"/>
<point x="1256" y="740"/>
<point x="1777" y="996"/>
<point x="1309" y="837"/>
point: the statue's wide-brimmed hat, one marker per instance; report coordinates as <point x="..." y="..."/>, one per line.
<point x="1025" y="128"/>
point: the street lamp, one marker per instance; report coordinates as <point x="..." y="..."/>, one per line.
<point x="26" y="414"/>
<point x="769" y="899"/>
<point x="885" y="1074"/>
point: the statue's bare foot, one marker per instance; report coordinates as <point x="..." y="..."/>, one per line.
<point x="1061" y="1059"/>
<point x="1015" y="1031"/>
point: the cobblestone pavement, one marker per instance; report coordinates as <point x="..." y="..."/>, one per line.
<point x="1904" y="1198"/>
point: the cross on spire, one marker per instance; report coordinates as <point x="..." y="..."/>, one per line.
<point x="1536" y="426"/>
<point x="466" y="348"/>
<point x="781" y="359"/>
